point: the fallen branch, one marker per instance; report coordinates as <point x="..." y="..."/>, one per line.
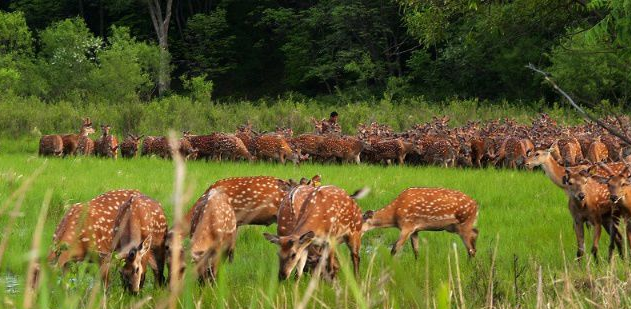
<point x="580" y="110"/>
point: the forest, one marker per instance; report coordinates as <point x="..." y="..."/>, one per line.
<point x="121" y="51"/>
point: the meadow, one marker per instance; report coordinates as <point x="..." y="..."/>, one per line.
<point x="525" y="254"/>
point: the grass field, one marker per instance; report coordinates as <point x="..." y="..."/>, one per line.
<point x="524" y="226"/>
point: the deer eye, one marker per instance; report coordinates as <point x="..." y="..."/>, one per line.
<point x="136" y="270"/>
<point x="293" y="255"/>
<point x="536" y="154"/>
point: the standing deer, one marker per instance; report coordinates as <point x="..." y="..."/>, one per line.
<point x="427" y="209"/>
<point x="619" y="186"/>
<point x="129" y="147"/>
<point x="597" y="151"/>
<point x="139" y="236"/>
<point x="213" y="233"/>
<point x="107" y="145"/>
<point x="87" y="228"/>
<point x="595" y="207"/>
<point x="71" y="141"/>
<point x="328" y="215"/>
<point x="557" y="174"/>
<point x="275" y="147"/>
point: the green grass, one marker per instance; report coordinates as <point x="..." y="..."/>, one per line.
<point x="522" y="213"/>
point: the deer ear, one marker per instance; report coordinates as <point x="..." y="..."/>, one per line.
<point x="316" y="180"/>
<point x="272" y="238"/>
<point x="145" y="246"/>
<point x="368" y="215"/>
<point x="307" y="237"/>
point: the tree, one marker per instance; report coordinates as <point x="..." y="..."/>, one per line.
<point x="160" y="22"/>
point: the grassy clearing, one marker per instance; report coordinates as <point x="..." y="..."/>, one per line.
<point x="522" y="214"/>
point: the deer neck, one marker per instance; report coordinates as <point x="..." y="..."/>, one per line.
<point x="554" y="171"/>
<point x="384" y="217"/>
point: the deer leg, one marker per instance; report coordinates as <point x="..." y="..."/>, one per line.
<point x="414" y="242"/>
<point x="158" y="272"/>
<point x="354" y="242"/>
<point x="403" y="237"/>
<point x="579" y="230"/>
<point x="597" y="231"/>
<point x="104" y="268"/>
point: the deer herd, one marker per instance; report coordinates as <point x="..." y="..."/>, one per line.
<point x="312" y="219"/>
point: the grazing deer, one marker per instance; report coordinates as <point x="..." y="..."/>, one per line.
<point x="347" y="149"/>
<point x="274" y="147"/>
<point x="228" y="145"/>
<point x="394" y="149"/>
<point x="594" y="207"/>
<point x="328" y="215"/>
<point x="567" y="151"/>
<point x="107" y="145"/>
<point x="427" y="209"/>
<point x="213" y="233"/>
<point x="139" y="236"/>
<point x="597" y="151"/>
<point x="88" y="228"/>
<point x="51" y="145"/>
<point x="129" y="147"/>
<point x="71" y="141"/>
<point x="308" y="144"/>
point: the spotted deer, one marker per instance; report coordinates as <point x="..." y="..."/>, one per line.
<point x="594" y="207"/>
<point x="567" y="151"/>
<point x="557" y="174"/>
<point x="512" y="153"/>
<point x="230" y="146"/>
<point x="289" y="211"/>
<point x="139" y="236"/>
<point x="328" y="215"/>
<point x="86" y="229"/>
<point x="427" y="209"/>
<point x="51" y="145"/>
<point x="439" y="151"/>
<point x="597" y="151"/>
<point x="254" y="200"/>
<point x="71" y="141"/>
<point x="394" y="149"/>
<point x="147" y="148"/>
<point x="213" y="233"/>
<point x="86" y="146"/>
<point x="307" y="144"/>
<point x="274" y="147"/>
<point x="129" y="147"/>
<point x="107" y="144"/>
<point x="346" y="149"/>
<point x="159" y="146"/>
<point x="619" y="186"/>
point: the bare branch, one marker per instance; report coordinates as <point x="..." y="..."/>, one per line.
<point x="581" y="111"/>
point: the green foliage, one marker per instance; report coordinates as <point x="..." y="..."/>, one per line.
<point x="200" y="89"/>
<point x="124" y="68"/>
<point x="15" y="36"/>
<point x="209" y="44"/>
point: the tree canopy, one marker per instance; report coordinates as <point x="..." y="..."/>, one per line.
<point x="125" y="49"/>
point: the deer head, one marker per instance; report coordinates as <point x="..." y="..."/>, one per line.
<point x="292" y="250"/>
<point x="135" y="266"/>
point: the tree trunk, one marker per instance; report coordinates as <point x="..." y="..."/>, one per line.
<point x="161" y="26"/>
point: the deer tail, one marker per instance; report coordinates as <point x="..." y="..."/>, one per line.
<point x="361" y="193"/>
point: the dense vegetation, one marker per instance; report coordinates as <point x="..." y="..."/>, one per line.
<point x="127" y="50"/>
